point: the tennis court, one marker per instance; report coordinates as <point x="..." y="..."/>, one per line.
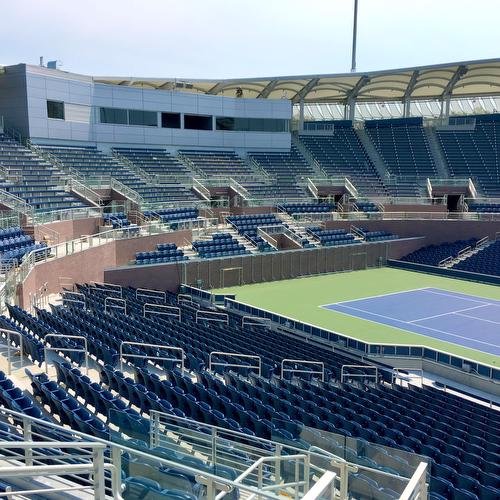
<point x="462" y="319"/>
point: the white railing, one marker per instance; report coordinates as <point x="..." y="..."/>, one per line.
<point x="241" y="190"/>
<point x="201" y="189"/>
<point x="416" y="489"/>
<point x="257" y="366"/>
<point x="312" y="187"/>
<point x="161" y="310"/>
<point x="8" y="334"/>
<point x="345" y="374"/>
<point x="113" y="303"/>
<point x="15" y="203"/>
<point x="147" y="357"/>
<point x="321" y="365"/>
<point x="84" y="349"/>
<point x="84" y="191"/>
<point x="217" y="317"/>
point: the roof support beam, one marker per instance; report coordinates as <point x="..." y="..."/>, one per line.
<point x="408" y="93"/>
<point x="460" y="71"/>
<point x="264" y="93"/>
<point x="305" y="90"/>
<point x="350" y="102"/>
<point x="216" y="88"/>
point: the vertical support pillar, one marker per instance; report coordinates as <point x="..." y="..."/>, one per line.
<point x="352" y="109"/>
<point x="301" y="115"/>
<point x="406" y="108"/>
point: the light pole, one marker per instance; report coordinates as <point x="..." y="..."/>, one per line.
<point x="354" y="36"/>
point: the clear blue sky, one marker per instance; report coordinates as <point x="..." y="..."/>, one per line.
<point x="244" y="38"/>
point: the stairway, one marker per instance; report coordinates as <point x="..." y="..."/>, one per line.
<point x="437" y="153"/>
<point x="372" y="153"/>
<point x="296" y="228"/>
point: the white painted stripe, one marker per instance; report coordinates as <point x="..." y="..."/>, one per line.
<point x="447" y="313"/>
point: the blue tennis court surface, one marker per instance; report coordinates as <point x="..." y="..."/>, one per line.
<point x="465" y="320"/>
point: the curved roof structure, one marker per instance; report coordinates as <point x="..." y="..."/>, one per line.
<point x="457" y="80"/>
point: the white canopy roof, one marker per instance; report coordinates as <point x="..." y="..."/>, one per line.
<point x="457" y="80"/>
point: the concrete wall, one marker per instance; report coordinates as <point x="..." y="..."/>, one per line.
<point x="68" y="229"/>
<point x="257" y="268"/>
<point x="83" y="97"/>
<point x="435" y="231"/>
<point x="89" y="265"/>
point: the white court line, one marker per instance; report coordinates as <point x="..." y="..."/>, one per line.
<point x="478" y="319"/>
<point x="446" y="314"/>
<point x="421" y="326"/>
<point x="374" y="296"/>
<point x="483" y="301"/>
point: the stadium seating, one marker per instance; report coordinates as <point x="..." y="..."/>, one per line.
<point x="221" y="245"/>
<point x="15" y="243"/>
<point x="377" y="235"/>
<point x="247" y="226"/>
<point x="475" y="153"/>
<point x="485" y="261"/>
<point x="172" y="215"/>
<point x="34" y="180"/>
<point x="92" y="163"/>
<point x="165" y="253"/>
<point x="341" y="154"/>
<point x="306" y="208"/>
<point x="486" y="208"/>
<point x="460" y="437"/>
<point x="290" y="169"/>
<point x="403" y="146"/>
<point x="332" y="237"/>
<point x="159" y="162"/>
<point x="367" y="206"/>
<point x="432" y="255"/>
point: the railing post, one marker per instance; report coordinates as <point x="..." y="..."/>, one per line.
<point x="214" y="446"/>
<point x="98" y="463"/>
<point x="28" y="436"/>
<point x="116" y="479"/>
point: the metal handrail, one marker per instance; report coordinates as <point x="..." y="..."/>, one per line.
<point x="9" y="359"/>
<point x="115" y="303"/>
<point x="80" y="300"/>
<point x="370" y="367"/>
<point x="47" y="348"/>
<point x="396" y="374"/>
<point x="304" y="362"/>
<point x="218" y="317"/>
<point x="416" y="489"/>
<point x="148" y="357"/>
<point x="234" y="365"/>
<point x="139" y="293"/>
<point x="168" y="310"/>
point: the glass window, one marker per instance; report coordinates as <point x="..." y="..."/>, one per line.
<point x="171" y="120"/>
<point x="251" y="124"/>
<point x="197" y="122"/>
<point x="143" y="118"/>
<point x="114" y="115"/>
<point x="55" y="109"/>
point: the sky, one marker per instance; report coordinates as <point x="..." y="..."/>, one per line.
<point x="244" y="38"/>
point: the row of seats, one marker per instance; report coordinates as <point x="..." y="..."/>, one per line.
<point x="306" y="208"/>
<point x="378" y="235"/>
<point x="416" y="420"/>
<point x="165" y="253"/>
<point x="486" y="261"/>
<point x="34" y="179"/>
<point x="221" y="245"/>
<point x="432" y="255"/>
<point x="367" y="206"/>
<point x="341" y="154"/>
